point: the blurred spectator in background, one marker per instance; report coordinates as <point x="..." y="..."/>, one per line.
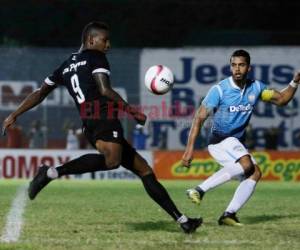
<point x="271" y="136"/>
<point x="249" y="137"/>
<point x="75" y="138"/>
<point x="15" y="137"/>
<point x="297" y="138"/>
<point x="82" y="141"/>
<point x="72" y="141"/>
<point x="163" y="139"/>
<point x="37" y="135"/>
<point x="139" y="137"/>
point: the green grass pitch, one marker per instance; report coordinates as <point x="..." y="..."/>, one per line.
<point x="120" y="215"/>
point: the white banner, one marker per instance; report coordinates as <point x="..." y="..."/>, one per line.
<point x="23" y="164"/>
<point x="198" y="69"/>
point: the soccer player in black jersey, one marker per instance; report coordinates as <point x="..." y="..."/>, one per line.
<point x="86" y="76"/>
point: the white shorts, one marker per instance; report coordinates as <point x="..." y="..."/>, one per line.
<point x="228" y="151"/>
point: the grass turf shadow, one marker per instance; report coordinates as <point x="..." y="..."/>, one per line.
<point x="154" y="226"/>
<point x="265" y="218"/>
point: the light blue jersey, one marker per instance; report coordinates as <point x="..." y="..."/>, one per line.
<point x="232" y="107"/>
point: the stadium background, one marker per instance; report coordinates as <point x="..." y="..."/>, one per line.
<point x="37" y="35"/>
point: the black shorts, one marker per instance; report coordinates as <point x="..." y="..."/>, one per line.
<point x="110" y="131"/>
<point x="105" y="130"/>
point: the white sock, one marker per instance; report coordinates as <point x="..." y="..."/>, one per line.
<point x="241" y="195"/>
<point x="182" y="219"/>
<point x="223" y="175"/>
<point x="52" y="173"/>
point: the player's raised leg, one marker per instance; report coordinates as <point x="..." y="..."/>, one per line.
<point x="83" y="164"/>
<point x="226" y="153"/>
<point x="109" y="159"/>
<point x="222" y="176"/>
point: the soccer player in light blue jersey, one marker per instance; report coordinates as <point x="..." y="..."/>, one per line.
<point x="231" y="102"/>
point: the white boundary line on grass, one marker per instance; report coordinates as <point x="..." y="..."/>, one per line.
<point x="14" y="220"/>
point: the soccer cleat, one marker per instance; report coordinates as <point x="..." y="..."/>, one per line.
<point x="39" y="182"/>
<point x="195" y="194"/>
<point x="191" y="225"/>
<point x="229" y="219"/>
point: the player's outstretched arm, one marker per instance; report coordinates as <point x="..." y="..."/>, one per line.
<point x="105" y="89"/>
<point x="29" y="102"/>
<point x="282" y="97"/>
<point x="199" y="118"/>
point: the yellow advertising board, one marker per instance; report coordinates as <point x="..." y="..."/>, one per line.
<point x="275" y="166"/>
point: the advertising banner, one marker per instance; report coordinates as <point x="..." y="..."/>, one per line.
<point x="196" y="70"/>
<point x="275" y="166"/>
<point x="23" y="164"/>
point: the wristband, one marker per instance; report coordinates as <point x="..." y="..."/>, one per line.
<point x="293" y="84"/>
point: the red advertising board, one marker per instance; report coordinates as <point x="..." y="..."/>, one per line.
<point x="24" y="163"/>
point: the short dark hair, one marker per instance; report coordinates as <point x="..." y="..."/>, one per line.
<point x="242" y="53"/>
<point x="90" y="27"/>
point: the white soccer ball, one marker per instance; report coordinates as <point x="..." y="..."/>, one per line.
<point x="159" y="79"/>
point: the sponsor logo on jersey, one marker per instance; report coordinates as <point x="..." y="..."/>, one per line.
<point x="240" y="108"/>
<point x="74" y="66"/>
<point x="115" y="134"/>
<point x="251" y="98"/>
<point x="238" y="148"/>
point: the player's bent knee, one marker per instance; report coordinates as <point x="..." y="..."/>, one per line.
<point x="143" y="170"/>
<point x="247" y="165"/>
<point x="257" y="173"/>
<point x="249" y="169"/>
<point x="112" y="164"/>
<point x="140" y="166"/>
<point x="146" y="172"/>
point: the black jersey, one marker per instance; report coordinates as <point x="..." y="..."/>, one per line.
<point x="76" y="74"/>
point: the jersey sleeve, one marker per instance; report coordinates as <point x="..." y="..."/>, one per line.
<point x="99" y="63"/>
<point x="56" y="77"/>
<point x="213" y="97"/>
<point x="262" y="86"/>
